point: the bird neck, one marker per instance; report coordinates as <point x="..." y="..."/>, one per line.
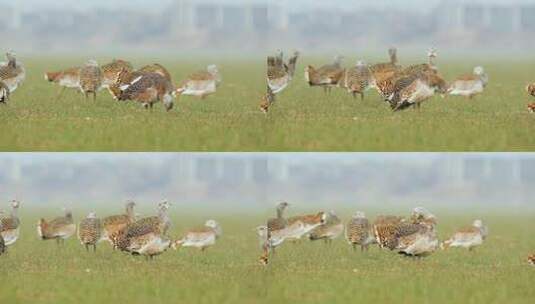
<point x="130" y="212"/>
<point x="14" y="212"/>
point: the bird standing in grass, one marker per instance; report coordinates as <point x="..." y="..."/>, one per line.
<point x="90" y="79"/>
<point x="201" y="237"/>
<point x="470" y="85"/>
<point x="202" y="83"/>
<point x="418" y="237"/>
<point x="358" y="231"/>
<point x="358" y="79"/>
<point x="147" y="236"/>
<point x="330" y="230"/>
<point x="276" y="232"/>
<point x="59" y="229"/>
<point x="114" y="223"/>
<point x="414" y="89"/>
<point x="326" y="76"/>
<point x="384" y="229"/>
<point x="90" y="231"/>
<point x="110" y="71"/>
<point x="148" y="89"/>
<point x="302" y="225"/>
<point x="12" y="74"/>
<point x="468" y="237"/>
<point x="10" y="225"/>
<point x="68" y="78"/>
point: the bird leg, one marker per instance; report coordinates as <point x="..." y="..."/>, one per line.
<point x="94" y="247"/>
<point x="95" y="95"/>
<point x="86" y="247"/>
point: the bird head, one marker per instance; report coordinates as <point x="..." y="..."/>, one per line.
<point x="15" y="204"/>
<point x="359" y="215"/>
<point x="130" y="204"/>
<point x="92" y="63"/>
<point x="92" y="215"/>
<point x="212" y="69"/>
<point x="478" y="223"/>
<point x="479" y="71"/>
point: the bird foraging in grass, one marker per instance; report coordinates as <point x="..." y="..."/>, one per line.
<point x="202" y="237"/>
<point x="328" y="231"/>
<point x="468" y="237"/>
<point x="326" y="76"/>
<point x="59" y="229"/>
<point x="470" y="85"/>
<point x="267" y="100"/>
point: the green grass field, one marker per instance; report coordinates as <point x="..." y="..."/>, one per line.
<point x="35" y="271"/>
<point x="304" y="119"/>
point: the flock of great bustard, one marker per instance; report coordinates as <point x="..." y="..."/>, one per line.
<point x="401" y="86"/>
<point x="415" y="235"/>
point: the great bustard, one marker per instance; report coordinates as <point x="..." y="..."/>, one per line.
<point x="90" y="79"/>
<point x="418" y="237"/>
<point x="267" y="100"/>
<point x="10" y="225"/>
<point x="68" y="78"/>
<point x="359" y="231"/>
<point x="382" y="71"/>
<point x="147" y="236"/>
<point x="430" y="66"/>
<point x="531" y="259"/>
<point x="416" y="88"/>
<point x="12" y="74"/>
<point x="59" y="229"/>
<point x="276" y="232"/>
<point x="261" y="233"/>
<point x="279" y="73"/>
<point x="148" y="89"/>
<point x="201" y="237"/>
<point x="330" y="230"/>
<point x="302" y="225"/>
<point x="110" y="71"/>
<point x="201" y="83"/>
<point x="90" y="231"/>
<point x="530" y="88"/>
<point x="470" y="85"/>
<point x="326" y="76"/>
<point x="112" y="224"/>
<point x="384" y="230"/>
<point x="158" y="69"/>
<point x="358" y="79"/>
<point x="468" y="237"/>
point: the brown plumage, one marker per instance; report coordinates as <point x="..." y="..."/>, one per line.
<point x="274" y="227"/>
<point x="384" y="228"/>
<point x="114" y="223"/>
<point x="279" y="74"/>
<point x="158" y="69"/>
<point x="90" y="79"/>
<point x="531" y="107"/>
<point x="358" y="231"/>
<point x="267" y="100"/>
<point x="148" y="89"/>
<point x="10" y="225"/>
<point x="358" y="79"/>
<point x="382" y="71"/>
<point x="531" y="259"/>
<point x="327" y="75"/>
<point x="68" y="78"/>
<point x="201" y="83"/>
<point x="330" y="230"/>
<point x="530" y="88"/>
<point x="112" y="69"/>
<point x="416" y="88"/>
<point x="136" y="236"/>
<point x="90" y="231"/>
<point x="59" y="229"/>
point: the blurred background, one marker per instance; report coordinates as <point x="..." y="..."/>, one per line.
<point x="251" y="182"/>
<point x="500" y="27"/>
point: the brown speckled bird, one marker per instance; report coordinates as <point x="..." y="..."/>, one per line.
<point x="468" y="237"/>
<point x="59" y="229"/>
<point x="359" y="231"/>
<point x="267" y="100"/>
<point x="114" y="223"/>
<point x="384" y="228"/>
<point x="279" y="74"/>
<point x="381" y="71"/>
<point x="4" y="93"/>
<point x="90" y="231"/>
<point x="530" y="88"/>
<point x="200" y="237"/>
<point x="358" y="79"/>
<point x="10" y="225"/>
<point x="68" y="78"/>
<point x="90" y="79"/>
<point x="148" y="89"/>
<point x="12" y="72"/>
<point x="330" y="230"/>
<point x="275" y="232"/>
<point x="414" y="89"/>
<point x="112" y="69"/>
<point x="531" y="259"/>
<point x="326" y="76"/>
<point x="158" y="69"/>
<point x="147" y="236"/>
<point x="201" y="83"/>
